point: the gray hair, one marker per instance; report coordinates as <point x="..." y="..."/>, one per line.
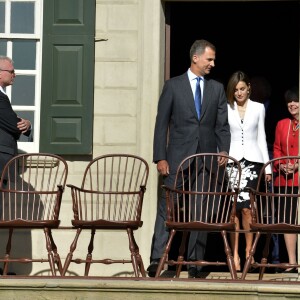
<point x="5" y="58"/>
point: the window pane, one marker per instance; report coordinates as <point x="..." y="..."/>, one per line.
<point x="3" y="47"/>
<point x="24" y="54"/>
<point x="29" y="115"/>
<point x="22" y="17"/>
<point x="2" y="17"/>
<point x="23" y="90"/>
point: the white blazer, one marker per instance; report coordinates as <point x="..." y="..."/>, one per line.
<point x="248" y="139"/>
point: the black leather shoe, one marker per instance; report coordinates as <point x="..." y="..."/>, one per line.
<point x="192" y="272"/>
<point x="279" y="270"/>
<point x="8" y="273"/>
<point x="196" y="273"/>
<point x="153" y="267"/>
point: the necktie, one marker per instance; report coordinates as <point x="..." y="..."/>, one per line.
<point x="198" y="97"/>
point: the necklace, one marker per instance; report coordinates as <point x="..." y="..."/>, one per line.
<point x="242" y="110"/>
<point x="295" y="126"/>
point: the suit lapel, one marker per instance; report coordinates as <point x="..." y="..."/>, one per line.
<point x="187" y="90"/>
<point x="4" y="96"/>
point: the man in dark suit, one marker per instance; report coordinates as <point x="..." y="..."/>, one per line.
<point x="182" y="130"/>
<point x="11" y="126"/>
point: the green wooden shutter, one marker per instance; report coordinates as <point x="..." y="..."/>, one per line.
<point x="68" y="77"/>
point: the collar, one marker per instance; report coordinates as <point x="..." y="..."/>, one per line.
<point x="1" y="89"/>
<point x="193" y="76"/>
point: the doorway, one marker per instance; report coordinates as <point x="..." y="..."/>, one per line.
<point x="260" y="38"/>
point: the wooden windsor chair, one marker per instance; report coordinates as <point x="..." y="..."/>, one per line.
<point x="110" y="198"/>
<point x="31" y="190"/>
<point x="274" y="209"/>
<point x="203" y="198"/>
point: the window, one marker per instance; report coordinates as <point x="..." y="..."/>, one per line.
<point x="54" y="83"/>
<point x="20" y="31"/>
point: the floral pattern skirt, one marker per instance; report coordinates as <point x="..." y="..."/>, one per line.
<point x="249" y="178"/>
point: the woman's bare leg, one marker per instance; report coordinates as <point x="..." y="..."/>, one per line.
<point x="290" y="243"/>
<point x="246" y="221"/>
<point x="234" y="240"/>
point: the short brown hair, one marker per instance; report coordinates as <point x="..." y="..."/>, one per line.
<point x="199" y="46"/>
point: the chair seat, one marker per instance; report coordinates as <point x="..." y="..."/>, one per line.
<point x="275" y="228"/>
<point x="20" y="223"/>
<point x="203" y="226"/>
<point x="104" y="224"/>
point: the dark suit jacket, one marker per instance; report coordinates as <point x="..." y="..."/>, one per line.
<point x="9" y="132"/>
<point x="178" y="132"/>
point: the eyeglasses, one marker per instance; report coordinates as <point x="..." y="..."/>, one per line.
<point x="9" y="71"/>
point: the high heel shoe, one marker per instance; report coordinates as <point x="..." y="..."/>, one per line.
<point x="251" y="268"/>
<point x="252" y="260"/>
<point x="292" y="270"/>
<point x="237" y="263"/>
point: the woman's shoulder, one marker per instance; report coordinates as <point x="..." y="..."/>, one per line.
<point x="284" y="122"/>
<point x="256" y="104"/>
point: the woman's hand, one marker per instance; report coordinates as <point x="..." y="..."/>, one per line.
<point x="289" y="168"/>
<point x="268" y="177"/>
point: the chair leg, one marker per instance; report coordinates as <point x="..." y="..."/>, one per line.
<point x="89" y="256"/>
<point x="136" y="258"/>
<point x="251" y="255"/>
<point x="264" y="259"/>
<point x="50" y="253"/>
<point x="57" y="259"/>
<point x="229" y="257"/>
<point x="181" y="253"/>
<point x="70" y="254"/>
<point x="165" y="254"/>
<point x="8" y="249"/>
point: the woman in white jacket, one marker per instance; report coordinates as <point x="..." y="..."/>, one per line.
<point x="248" y="145"/>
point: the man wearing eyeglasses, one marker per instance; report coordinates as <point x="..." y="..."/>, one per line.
<point x="11" y="126"/>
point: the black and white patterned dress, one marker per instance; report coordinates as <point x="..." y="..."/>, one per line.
<point x="249" y="178"/>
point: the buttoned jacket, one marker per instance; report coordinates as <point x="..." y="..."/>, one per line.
<point x="286" y="144"/>
<point x="248" y="138"/>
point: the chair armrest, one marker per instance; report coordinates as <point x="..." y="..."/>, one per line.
<point x="170" y="189"/>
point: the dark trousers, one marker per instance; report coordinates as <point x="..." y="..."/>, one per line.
<point x="197" y="239"/>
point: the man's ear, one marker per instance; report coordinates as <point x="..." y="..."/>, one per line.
<point x="195" y="58"/>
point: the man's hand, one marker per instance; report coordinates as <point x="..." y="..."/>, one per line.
<point x="222" y="160"/>
<point x="163" y="167"/>
<point x="24" y="125"/>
